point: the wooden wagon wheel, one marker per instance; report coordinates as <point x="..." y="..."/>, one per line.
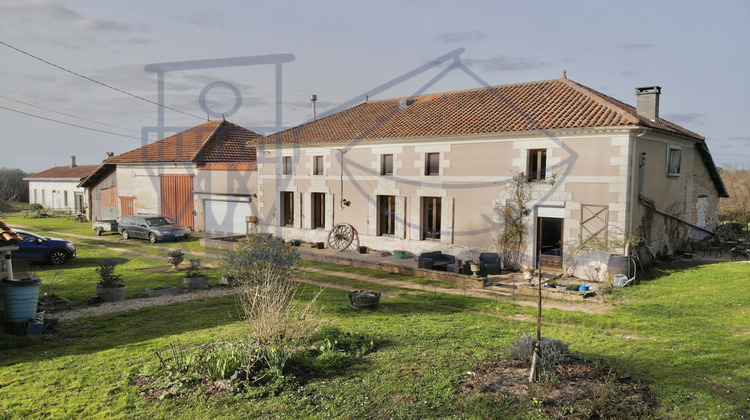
<point x="342" y="236"/>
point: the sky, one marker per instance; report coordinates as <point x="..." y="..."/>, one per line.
<point x="80" y="77"/>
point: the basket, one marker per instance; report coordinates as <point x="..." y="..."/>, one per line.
<point x="364" y="299"/>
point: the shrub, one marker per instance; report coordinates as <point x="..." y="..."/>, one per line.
<point x="551" y="351"/>
<point x="107" y="276"/>
<point x="193" y="269"/>
<point x="265" y="270"/>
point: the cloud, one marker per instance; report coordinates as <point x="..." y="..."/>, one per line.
<point x="39" y="11"/>
<point x="204" y="19"/>
<point x="49" y="12"/>
<point x="684" y="118"/>
<point x="636" y="46"/>
<point x="465" y="36"/>
<point x="101" y="25"/>
<point x="140" y="41"/>
<point x="200" y="80"/>
<point x="630" y="73"/>
<point x="505" y="63"/>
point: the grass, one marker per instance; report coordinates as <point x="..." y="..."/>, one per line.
<point x="685" y="333"/>
<point x="82" y="233"/>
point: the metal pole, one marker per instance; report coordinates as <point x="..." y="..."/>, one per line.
<point x="313" y="99"/>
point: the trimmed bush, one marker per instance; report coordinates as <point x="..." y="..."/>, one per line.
<point x="551" y="351"/>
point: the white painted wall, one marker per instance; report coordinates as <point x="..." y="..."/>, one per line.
<point x="51" y="194"/>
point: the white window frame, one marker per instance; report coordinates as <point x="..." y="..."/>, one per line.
<point x="318" y="165"/>
<point x="671" y="148"/>
<point x="286" y="165"/>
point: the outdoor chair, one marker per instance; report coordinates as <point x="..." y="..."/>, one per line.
<point x="435" y="260"/>
<point x="489" y="263"/>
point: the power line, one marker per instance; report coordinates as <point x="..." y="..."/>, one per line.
<point x="70" y="124"/>
<point x="68" y="115"/>
<point x="98" y="82"/>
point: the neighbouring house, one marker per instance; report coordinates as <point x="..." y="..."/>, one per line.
<point x="57" y="188"/>
<point x="433" y="172"/>
<point x="204" y="178"/>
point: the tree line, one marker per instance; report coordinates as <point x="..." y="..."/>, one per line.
<point x="13" y="188"/>
<point x="736" y="208"/>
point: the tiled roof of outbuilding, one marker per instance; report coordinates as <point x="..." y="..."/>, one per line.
<point x="534" y="106"/>
<point x="212" y="141"/>
<point x="76" y="172"/>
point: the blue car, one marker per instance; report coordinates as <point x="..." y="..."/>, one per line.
<point x="53" y="250"/>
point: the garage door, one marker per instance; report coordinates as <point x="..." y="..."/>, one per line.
<point x="226" y="216"/>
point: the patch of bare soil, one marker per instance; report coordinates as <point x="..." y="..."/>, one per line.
<point x="576" y="390"/>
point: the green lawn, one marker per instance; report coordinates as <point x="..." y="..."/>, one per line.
<point x="685" y="334"/>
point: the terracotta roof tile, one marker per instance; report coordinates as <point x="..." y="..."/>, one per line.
<point x="77" y="172"/>
<point x="545" y="105"/>
<point x="7" y="235"/>
<point x="229" y="166"/>
<point x="212" y="141"/>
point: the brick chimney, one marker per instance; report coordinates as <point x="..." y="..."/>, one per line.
<point x="648" y="101"/>
<point x="73" y="162"/>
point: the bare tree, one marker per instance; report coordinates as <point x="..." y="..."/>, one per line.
<point x="511" y="238"/>
<point x="12" y="186"/>
<point x="736" y="208"/>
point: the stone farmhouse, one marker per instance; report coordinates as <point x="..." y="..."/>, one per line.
<point x="433" y="172"/>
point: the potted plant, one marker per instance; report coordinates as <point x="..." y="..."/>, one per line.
<point x="175" y="258"/>
<point x="51" y="301"/>
<point x="474" y="265"/>
<point x="528" y="272"/>
<point x="193" y="278"/>
<point x="364" y="299"/>
<point x="472" y="257"/>
<point x="111" y="287"/>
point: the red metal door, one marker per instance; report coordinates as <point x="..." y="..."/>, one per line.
<point x="177" y="198"/>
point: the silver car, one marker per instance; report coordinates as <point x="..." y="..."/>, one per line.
<point x="155" y="228"/>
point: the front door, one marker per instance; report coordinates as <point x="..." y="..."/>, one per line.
<point x="549" y="243"/>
